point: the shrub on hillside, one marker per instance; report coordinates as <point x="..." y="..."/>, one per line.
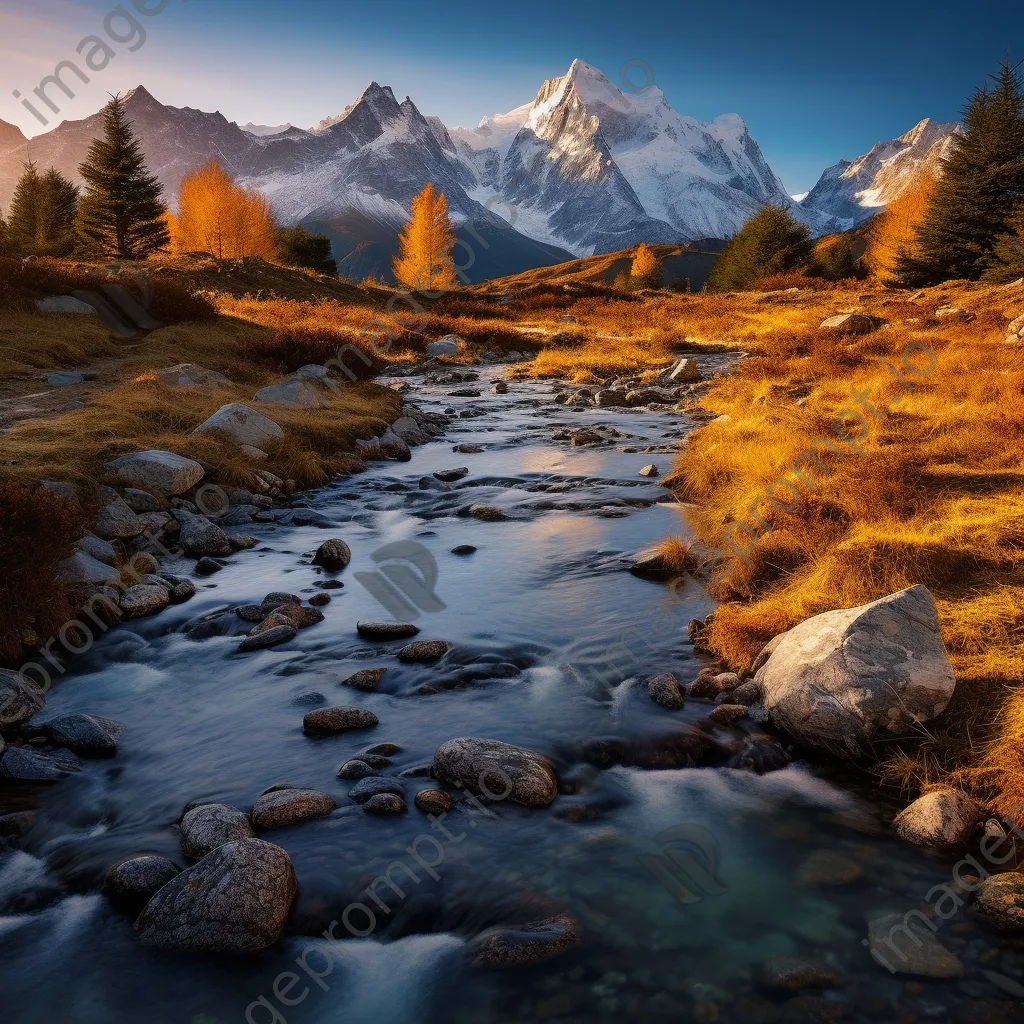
<point x="37" y="530"/>
<point x="299" y="247"/>
<point x="173" y="303"/>
<point x="835" y="260"/>
<point x="22" y="283"/>
<point x="290" y="348"/>
<point x="771" y="242"/>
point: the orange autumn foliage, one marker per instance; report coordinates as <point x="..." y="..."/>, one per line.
<point x="219" y="216"/>
<point x="895" y="228"/>
<point x="424" y="261"/>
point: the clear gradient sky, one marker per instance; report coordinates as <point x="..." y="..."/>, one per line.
<point x="814" y="81"/>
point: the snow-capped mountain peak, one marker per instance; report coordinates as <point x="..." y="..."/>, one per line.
<point x="849" y="192"/>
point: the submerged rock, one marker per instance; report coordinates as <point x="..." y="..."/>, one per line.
<point x="131" y="884"/>
<point x="208" y="826"/>
<point x="907" y="945"/>
<point x="793" y="973"/>
<point x="499" y="771"/>
<point x="516" y="945"/>
<point x="235" y="900"/>
<point x="842" y="679"/>
<point x="944" y="819"/>
<point x="373" y="786"/>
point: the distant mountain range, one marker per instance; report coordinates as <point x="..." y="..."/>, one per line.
<point x="585" y="168"/>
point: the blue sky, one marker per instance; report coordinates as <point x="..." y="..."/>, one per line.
<point x="814" y="81"/>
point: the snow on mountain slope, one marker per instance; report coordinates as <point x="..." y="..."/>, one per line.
<point x="585" y="147"/>
<point x="847" y="194"/>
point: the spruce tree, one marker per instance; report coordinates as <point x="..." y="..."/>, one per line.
<point x="981" y="188"/>
<point x="121" y="214"/>
<point x="23" y="223"/>
<point x="771" y="242"/>
<point x="56" y="215"/>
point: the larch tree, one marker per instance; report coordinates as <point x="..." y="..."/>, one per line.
<point x="122" y="212"/>
<point x="219" y="216"/>
<point x="424" y="261"/>
<point x="980" y="191"/>
<point x="646" y="269"/>
<point x="892" y="234"/>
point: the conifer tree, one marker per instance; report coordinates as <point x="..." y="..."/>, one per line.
<point x="981" y="188"/>
<point x="56" y="215"/>
<point x="23" y="223"/>
<point x="300" y="247"/>
<point x="121" y="213"/>
<point x="424" y="261"/>
<point x="771" y="242"/>
<point x="646" y="269"/>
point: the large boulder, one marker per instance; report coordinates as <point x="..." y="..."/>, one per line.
<point x="160" y="472"/>
<point x="242" y="425"/>
<point x="208" y="826"/>
<point x="20" y="699"/>
<point x="944" y="819"/>
<point x="299" y="394"/>
<point x="199" y="537"/>
<point x="843" y="679"/>
<point x="497" y="770"/>
<point x="235" y="900"/>
<point x="190" y="375"/>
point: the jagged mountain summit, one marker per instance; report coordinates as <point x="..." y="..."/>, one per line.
<point x="849" y="193"/>
<point x="584" y="146"/>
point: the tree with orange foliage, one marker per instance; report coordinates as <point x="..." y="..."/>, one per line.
<point x="424" y="261"/>
<point x="219" y="216"/>
<point x="646" y="269"/>
<point x="894" y="230"/>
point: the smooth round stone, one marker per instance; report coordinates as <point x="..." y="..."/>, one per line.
<point x="370" y="787"/>
<point x="328" y="721"/>
<point x="424" y="650"/>
<point x="434" y="801"/>
<point x="132" y="883"/>
<point x="282" y="808"/>
<point x="273" y="637"/>
<point x="319" y="600"/>
<point x="333" y="555"/>
<point x="463" y="549"/>
<point x="386" y="630"/>
<point x="384" y="804"/>
<point x="356" y="769"/>
<point x="208" y="826"/>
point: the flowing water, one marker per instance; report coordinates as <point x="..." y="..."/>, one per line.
<point x="546" y="623"/>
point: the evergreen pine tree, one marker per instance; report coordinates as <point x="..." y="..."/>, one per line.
<point x="121" y="214"/>
<point x="56" y="214"/>
<point x="771" y="242"/>
<point x="23" y="223"/>
<point x="981" y="187"/>
<point x="299" y="247"/>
